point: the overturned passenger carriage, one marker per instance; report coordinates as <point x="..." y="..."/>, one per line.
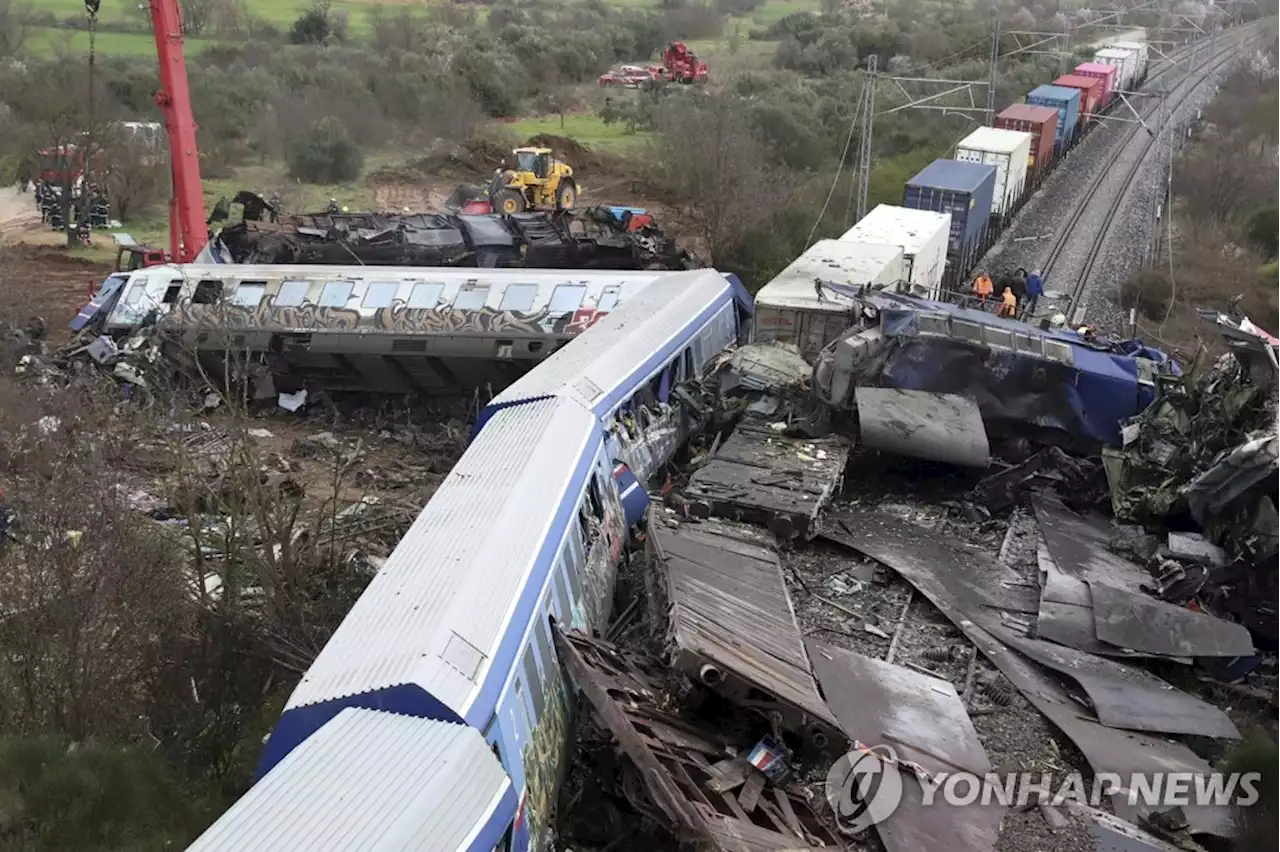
<point x="374" y="329"/>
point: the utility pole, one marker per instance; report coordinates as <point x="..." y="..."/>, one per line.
<point x="995" y="65"/>
<point x="867" y="117"/>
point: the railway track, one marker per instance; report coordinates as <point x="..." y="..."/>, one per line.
<point x="1132" y="151"/>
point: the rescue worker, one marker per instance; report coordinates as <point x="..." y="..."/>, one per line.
<point x="983" y="288"/>
<point x="333" y="206"/>
<point x="1018" y="283"/>
<point x="1008" y="304"/>
<point x="1035" y="289"/>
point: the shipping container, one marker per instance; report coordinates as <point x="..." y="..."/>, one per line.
<point x="793" y="308"/>
<point x="1124" y="61"/>
<point x="1090" y="92"/>
<point x="923" y="236"/>
<point x="1140" y="51"/>
<point x="1066" y="102"/>
<point x="1008" y="151"/>
<point x="965" y="190"/>
<point x="1103" y="72"/>
<point x="1041" y="122"/>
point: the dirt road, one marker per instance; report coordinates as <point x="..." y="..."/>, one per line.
<point x="18" y="213"/>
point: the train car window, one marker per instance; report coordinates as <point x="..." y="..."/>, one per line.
<point x="518" y="297"/>
<point x="583" y="533"/>
<point x="425" y="296"/>
<point x="562" y="597"/>
<point x="607" y="302"/>
<point x="207" y="292"/>
<point x="575" y="582"/>
<point x="471" y="299"/>
<point x="171" y="292"/>
<point x="248" y="295"/>
<point x="688" y="364"/>
<point x="567" y="298"/>
<point x="524" y="707"/>
<point x="504" y="845"/>
<point x="135" y="293"/>
<point x="335" y="294"/>
<point x="593" y="493"/>
<point x="546" y="647"/>
<point x="292" y="293"/>
<point x="530" y="666"/>
<point x="380" y="294"/>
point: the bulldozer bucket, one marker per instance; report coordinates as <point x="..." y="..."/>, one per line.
<point x="465" y="194"/>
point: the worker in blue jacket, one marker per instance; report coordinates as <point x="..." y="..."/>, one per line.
<point x="1035" y="289"/>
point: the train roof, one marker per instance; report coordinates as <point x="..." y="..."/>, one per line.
<point x="357" y="272"/>
<point x="429" y="636"/>
<point x="604" y="363"/>
<point x="846" y="263"/>
<point x="374" y="781"/>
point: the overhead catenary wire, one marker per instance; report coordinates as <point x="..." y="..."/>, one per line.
<point x="848" y="143"/>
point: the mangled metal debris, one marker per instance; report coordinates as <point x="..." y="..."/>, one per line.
<point x="940" y="427"/>
<point x="732" y="626"/>
<point x="592" y="238"/>
<point x="759" y="474"/>
<point x="704" y="782"/>
<point x="924" y="721"/>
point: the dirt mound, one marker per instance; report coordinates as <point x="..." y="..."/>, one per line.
<point x="471" y="160"/>
<point x="583" y="158"/>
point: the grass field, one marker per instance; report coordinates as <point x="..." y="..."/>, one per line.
<point x="282" y="14"/>
<point x="585" y="128"/>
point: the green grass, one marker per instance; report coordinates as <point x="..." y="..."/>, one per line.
<point x="49" y="41"/>
<point x="586" y="128"/>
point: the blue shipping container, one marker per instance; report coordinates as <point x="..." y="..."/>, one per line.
<point x="1066" y="101"/>
<point x="964" y="190"/>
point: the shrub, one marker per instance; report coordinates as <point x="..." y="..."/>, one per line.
<point x="325" y="154"/>
<point x="1148" y="291"/>
<point x="1264" y="229"/>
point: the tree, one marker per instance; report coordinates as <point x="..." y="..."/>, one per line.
<point x="197" y="14"/>
<point x="325" y="154"/>
<point x="136" y="177"/>
<point x="15" y="20"/>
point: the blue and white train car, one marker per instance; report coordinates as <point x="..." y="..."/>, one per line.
<point x="456" y="630"/>
<point x="625" y="368"/>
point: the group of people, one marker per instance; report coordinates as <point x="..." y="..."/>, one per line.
<point x="1018" y="293"/>
<point x="90" y="206"/>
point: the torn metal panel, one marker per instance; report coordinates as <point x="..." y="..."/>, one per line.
<point x="760" y="475"/>
<point x="733" y="626"/>
<point x="925" y="721"/>
<point x="685" y="765"/>
<point x="1124" y="615"/>
<point x="1107" y="749"/>
<point x="1235" y="472"/>
<point x="935" y="426"/>
<point x="1133" y="620"/>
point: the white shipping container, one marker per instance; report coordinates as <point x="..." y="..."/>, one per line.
<point x="793" y="309"/>
<point x="1140" y="49"/>
<point x="922" y="235"/>
<point x="1125" y="62"/>
<point x="1008" y="151"/>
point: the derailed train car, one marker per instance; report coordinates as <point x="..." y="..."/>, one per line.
<point x="437" y="716"/>
<point x="1051" y="386"/>
<point x="374" y="329"/>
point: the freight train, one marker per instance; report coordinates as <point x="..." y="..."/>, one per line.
<point x="953" y="210"/>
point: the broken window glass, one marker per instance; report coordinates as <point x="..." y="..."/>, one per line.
<point x="425" y="296"/>
<point x="292" y="293"/>
<point x="207" y="292"/>
<point x="171" y="294"/>
<point x="471" y="299"/>
<point x="567" y="298"/>
<point x="593" y="494"/>
<point x="518" y="297"/>
<point x="135" y="293"/>
<point x="335" y="294"/>
<point x="380" y="294"/>
<point x="247" y="294"/>
<point x="562" y="597"/>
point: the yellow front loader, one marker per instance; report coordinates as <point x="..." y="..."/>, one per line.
<point x="537" y="181"/>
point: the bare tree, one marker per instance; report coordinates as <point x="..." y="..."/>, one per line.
<point x="198" y="14"/>
<point x="135" y="175"/>
<point x="15" y="28"/>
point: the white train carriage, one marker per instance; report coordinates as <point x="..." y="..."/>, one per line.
<point x="626" y="367"/>
<point x="382" y="329"/>
<point x="456" y="627"/>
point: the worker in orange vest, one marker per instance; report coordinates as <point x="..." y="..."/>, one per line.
<point x="1008" y="304"/>
<point x="983" y="288"/>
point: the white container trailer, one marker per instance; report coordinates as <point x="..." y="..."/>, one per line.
<point x="1008" y="151"/>
<point x="922" y="235"/>
<point x="1140" y="49"/>
<point x="793" y="308"/>
<point x="1125" y="61"/>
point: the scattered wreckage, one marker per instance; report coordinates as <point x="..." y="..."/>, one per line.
<point x="590" y="238"/>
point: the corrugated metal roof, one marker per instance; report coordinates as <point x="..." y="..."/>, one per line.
<point x="449" y="586"/>
<point x="1034" y="113"/>
<point x="606" y="354"/>
<point x="1059" y="93"/>
<point x="996" y="140"/>
<point x="853" y="264"/>
<point x="1096" y="68"/>
<point x="953" y="175"/>
<point x="369" y="780"/>
<point x="903" y="226"/>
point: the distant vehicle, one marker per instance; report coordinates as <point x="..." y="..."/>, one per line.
<point x="679" y="65"/>
<point x="63" y="164"/>
<point x="631" y="76"/>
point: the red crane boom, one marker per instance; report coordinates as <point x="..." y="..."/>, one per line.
<point x="187" y="233"/>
